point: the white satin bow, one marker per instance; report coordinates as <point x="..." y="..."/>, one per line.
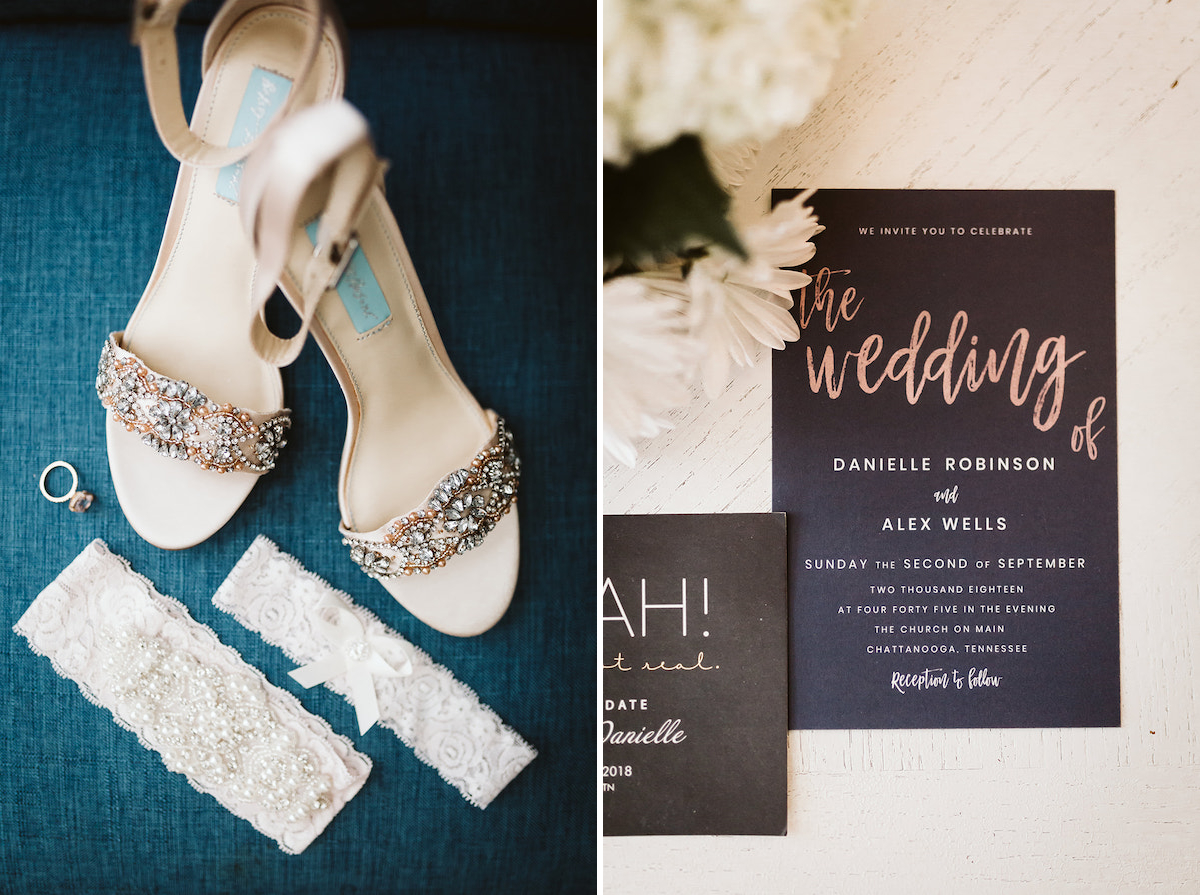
<point x="361" y="657"/>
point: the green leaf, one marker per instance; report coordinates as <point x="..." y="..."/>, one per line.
<point x="663" y="202"/>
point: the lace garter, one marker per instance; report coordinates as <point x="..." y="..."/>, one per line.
<point x="187" y="696"/>
<point x="353" y="653"/>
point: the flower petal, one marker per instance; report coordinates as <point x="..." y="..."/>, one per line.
<point x="762" y="320"/>
<point x="649" y="358"/>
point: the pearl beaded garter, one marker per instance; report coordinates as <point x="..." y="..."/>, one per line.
<point x="439" y="718"/>
<point x="187" y="696"/>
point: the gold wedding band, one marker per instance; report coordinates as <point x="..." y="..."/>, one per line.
<point x="79" y="500"/>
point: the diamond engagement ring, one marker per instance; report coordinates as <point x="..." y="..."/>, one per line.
<point x="78" y="500"/>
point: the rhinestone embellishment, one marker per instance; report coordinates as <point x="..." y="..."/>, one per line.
<point x="177" y="420"/>
<point x="217" y="729"/>
<point x="456" y="517"/>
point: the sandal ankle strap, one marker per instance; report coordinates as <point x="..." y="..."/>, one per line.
<point x="328" y="139"/>
<point x="153" y="32"/>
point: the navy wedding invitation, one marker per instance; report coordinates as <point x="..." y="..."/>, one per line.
<point x="945" y="449"/>
<point x="694" y="724"/>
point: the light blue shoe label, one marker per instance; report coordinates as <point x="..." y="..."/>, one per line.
<point x="264" y="95"/>
<point x="359" y="290"/>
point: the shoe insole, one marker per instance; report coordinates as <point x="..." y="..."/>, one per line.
<point x="193" y="320"/>
<point x="412" y="421"/>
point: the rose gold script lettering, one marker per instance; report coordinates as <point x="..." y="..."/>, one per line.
<point x="904" y="364"/>
<point x="825" y="299"/>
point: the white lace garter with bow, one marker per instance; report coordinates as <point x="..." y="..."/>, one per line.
<point x="381" y="674"/>
<point x="187" y="696"/>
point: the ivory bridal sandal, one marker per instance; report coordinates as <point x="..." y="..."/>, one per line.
<point x="195" y="415"/>
<point x="428" y="478"/>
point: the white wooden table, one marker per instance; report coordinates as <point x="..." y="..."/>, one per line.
<point x="976" y="94"/>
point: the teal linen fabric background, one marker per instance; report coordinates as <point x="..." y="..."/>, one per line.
<point x="491" y="134"/>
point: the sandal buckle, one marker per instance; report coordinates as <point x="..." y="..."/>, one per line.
<point x="146" y="13"/>
<point x="339" y="255"/>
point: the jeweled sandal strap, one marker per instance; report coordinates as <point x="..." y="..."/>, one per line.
<point x="456" y="517"/>
<point x="179" y="421"/>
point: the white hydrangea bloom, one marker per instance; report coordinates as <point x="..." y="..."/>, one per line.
<point x="725" y="70"/>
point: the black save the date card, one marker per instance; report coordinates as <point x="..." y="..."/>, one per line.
<point x="945" y="448"/>
<point x="694" y="728"/>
